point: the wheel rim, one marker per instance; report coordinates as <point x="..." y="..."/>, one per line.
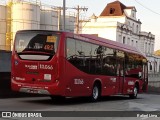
<point x="95" y="92"/>
<point x="135" y="91"/>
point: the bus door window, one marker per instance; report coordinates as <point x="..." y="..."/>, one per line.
<point x="120" y="71"/>
<point x="140" y="71"/>
<point x="145" y="70"/>
<point x="120" y="63"/>
<point x="134" y="66"/>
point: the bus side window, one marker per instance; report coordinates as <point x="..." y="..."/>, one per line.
<point x="70" y="49"/>
<point x="109" y="62"/>
<point x="93" y="60"/>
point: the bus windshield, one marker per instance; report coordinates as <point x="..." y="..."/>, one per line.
<point x="38" y="45"/>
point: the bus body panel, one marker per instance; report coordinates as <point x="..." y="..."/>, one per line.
<point x="82" y="83"/>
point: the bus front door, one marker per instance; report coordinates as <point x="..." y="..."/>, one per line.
<point x="120" y="76"/>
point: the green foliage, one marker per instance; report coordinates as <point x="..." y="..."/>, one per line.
<point x="157" y="53"/>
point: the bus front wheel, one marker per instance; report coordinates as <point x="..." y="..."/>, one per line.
<point x="135" y="93"/>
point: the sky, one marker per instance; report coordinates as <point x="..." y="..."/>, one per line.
<point x="148" y="11"/>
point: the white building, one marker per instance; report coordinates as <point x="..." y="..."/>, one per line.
<point x="70" y="21"/>
<point x="49" y="19"/>
<point x="3" y="28"/>
<point x="118" y="22"/>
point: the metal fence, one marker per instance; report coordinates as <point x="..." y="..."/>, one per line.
<point x="154" y="83"/>
<point x="154" y="76"/>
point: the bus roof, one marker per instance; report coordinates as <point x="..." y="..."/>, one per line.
<point x="115" y="44"/>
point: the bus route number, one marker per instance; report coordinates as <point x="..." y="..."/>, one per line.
<point x="48" y="47"/>
<point x="79" y="81"/>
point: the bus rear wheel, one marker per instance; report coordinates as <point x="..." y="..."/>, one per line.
<point x="95" y="93"/>
<point x="135" y="93"/>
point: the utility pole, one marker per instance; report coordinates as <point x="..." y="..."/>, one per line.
<point x="64" y="20"/>
<point x="77" y="17"/>
<point x="59" y="15"/>
<point x="64" y="14"/>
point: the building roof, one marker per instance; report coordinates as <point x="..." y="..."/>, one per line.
<point x="115" y="8"/>
<point x="93" y="16"/>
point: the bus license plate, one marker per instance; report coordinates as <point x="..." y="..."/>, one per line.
<point x="32" y="91"/>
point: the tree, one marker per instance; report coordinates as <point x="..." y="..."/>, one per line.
<point x="157" y="53"/>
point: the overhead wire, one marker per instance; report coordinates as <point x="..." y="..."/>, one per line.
<point x="147" y="7"/>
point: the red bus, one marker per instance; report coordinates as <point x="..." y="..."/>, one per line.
<point x="70" y="65"/>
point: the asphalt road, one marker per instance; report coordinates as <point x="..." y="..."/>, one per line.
<point x="144" y="102"/>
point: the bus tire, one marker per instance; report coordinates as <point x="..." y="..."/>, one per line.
<point x="95" y="93"/>
<point x="135" y="93"/>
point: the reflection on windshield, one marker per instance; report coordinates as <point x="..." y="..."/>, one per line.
<point x="33" y="44"/>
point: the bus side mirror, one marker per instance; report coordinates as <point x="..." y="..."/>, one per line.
<point x="140" y="75"/>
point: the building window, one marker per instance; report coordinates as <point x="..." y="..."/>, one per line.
<point x="128" y="41"/>
<point x="137" y="29"/>
<point x="150" y="66"/>
<point x="146" y="47"/>
<point x="152" y="48"/>
<point x="128" y="23"/>
<point x="120" y="38"/>
<point x="133" y="27"/>
<point x="132" y="43"/>
<point x="149" y="48"/>
<point x="124" y="40"/>
<point x="112" y="10"/>
<point x="155" y="66"/>
<point x="136" y="43"/>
